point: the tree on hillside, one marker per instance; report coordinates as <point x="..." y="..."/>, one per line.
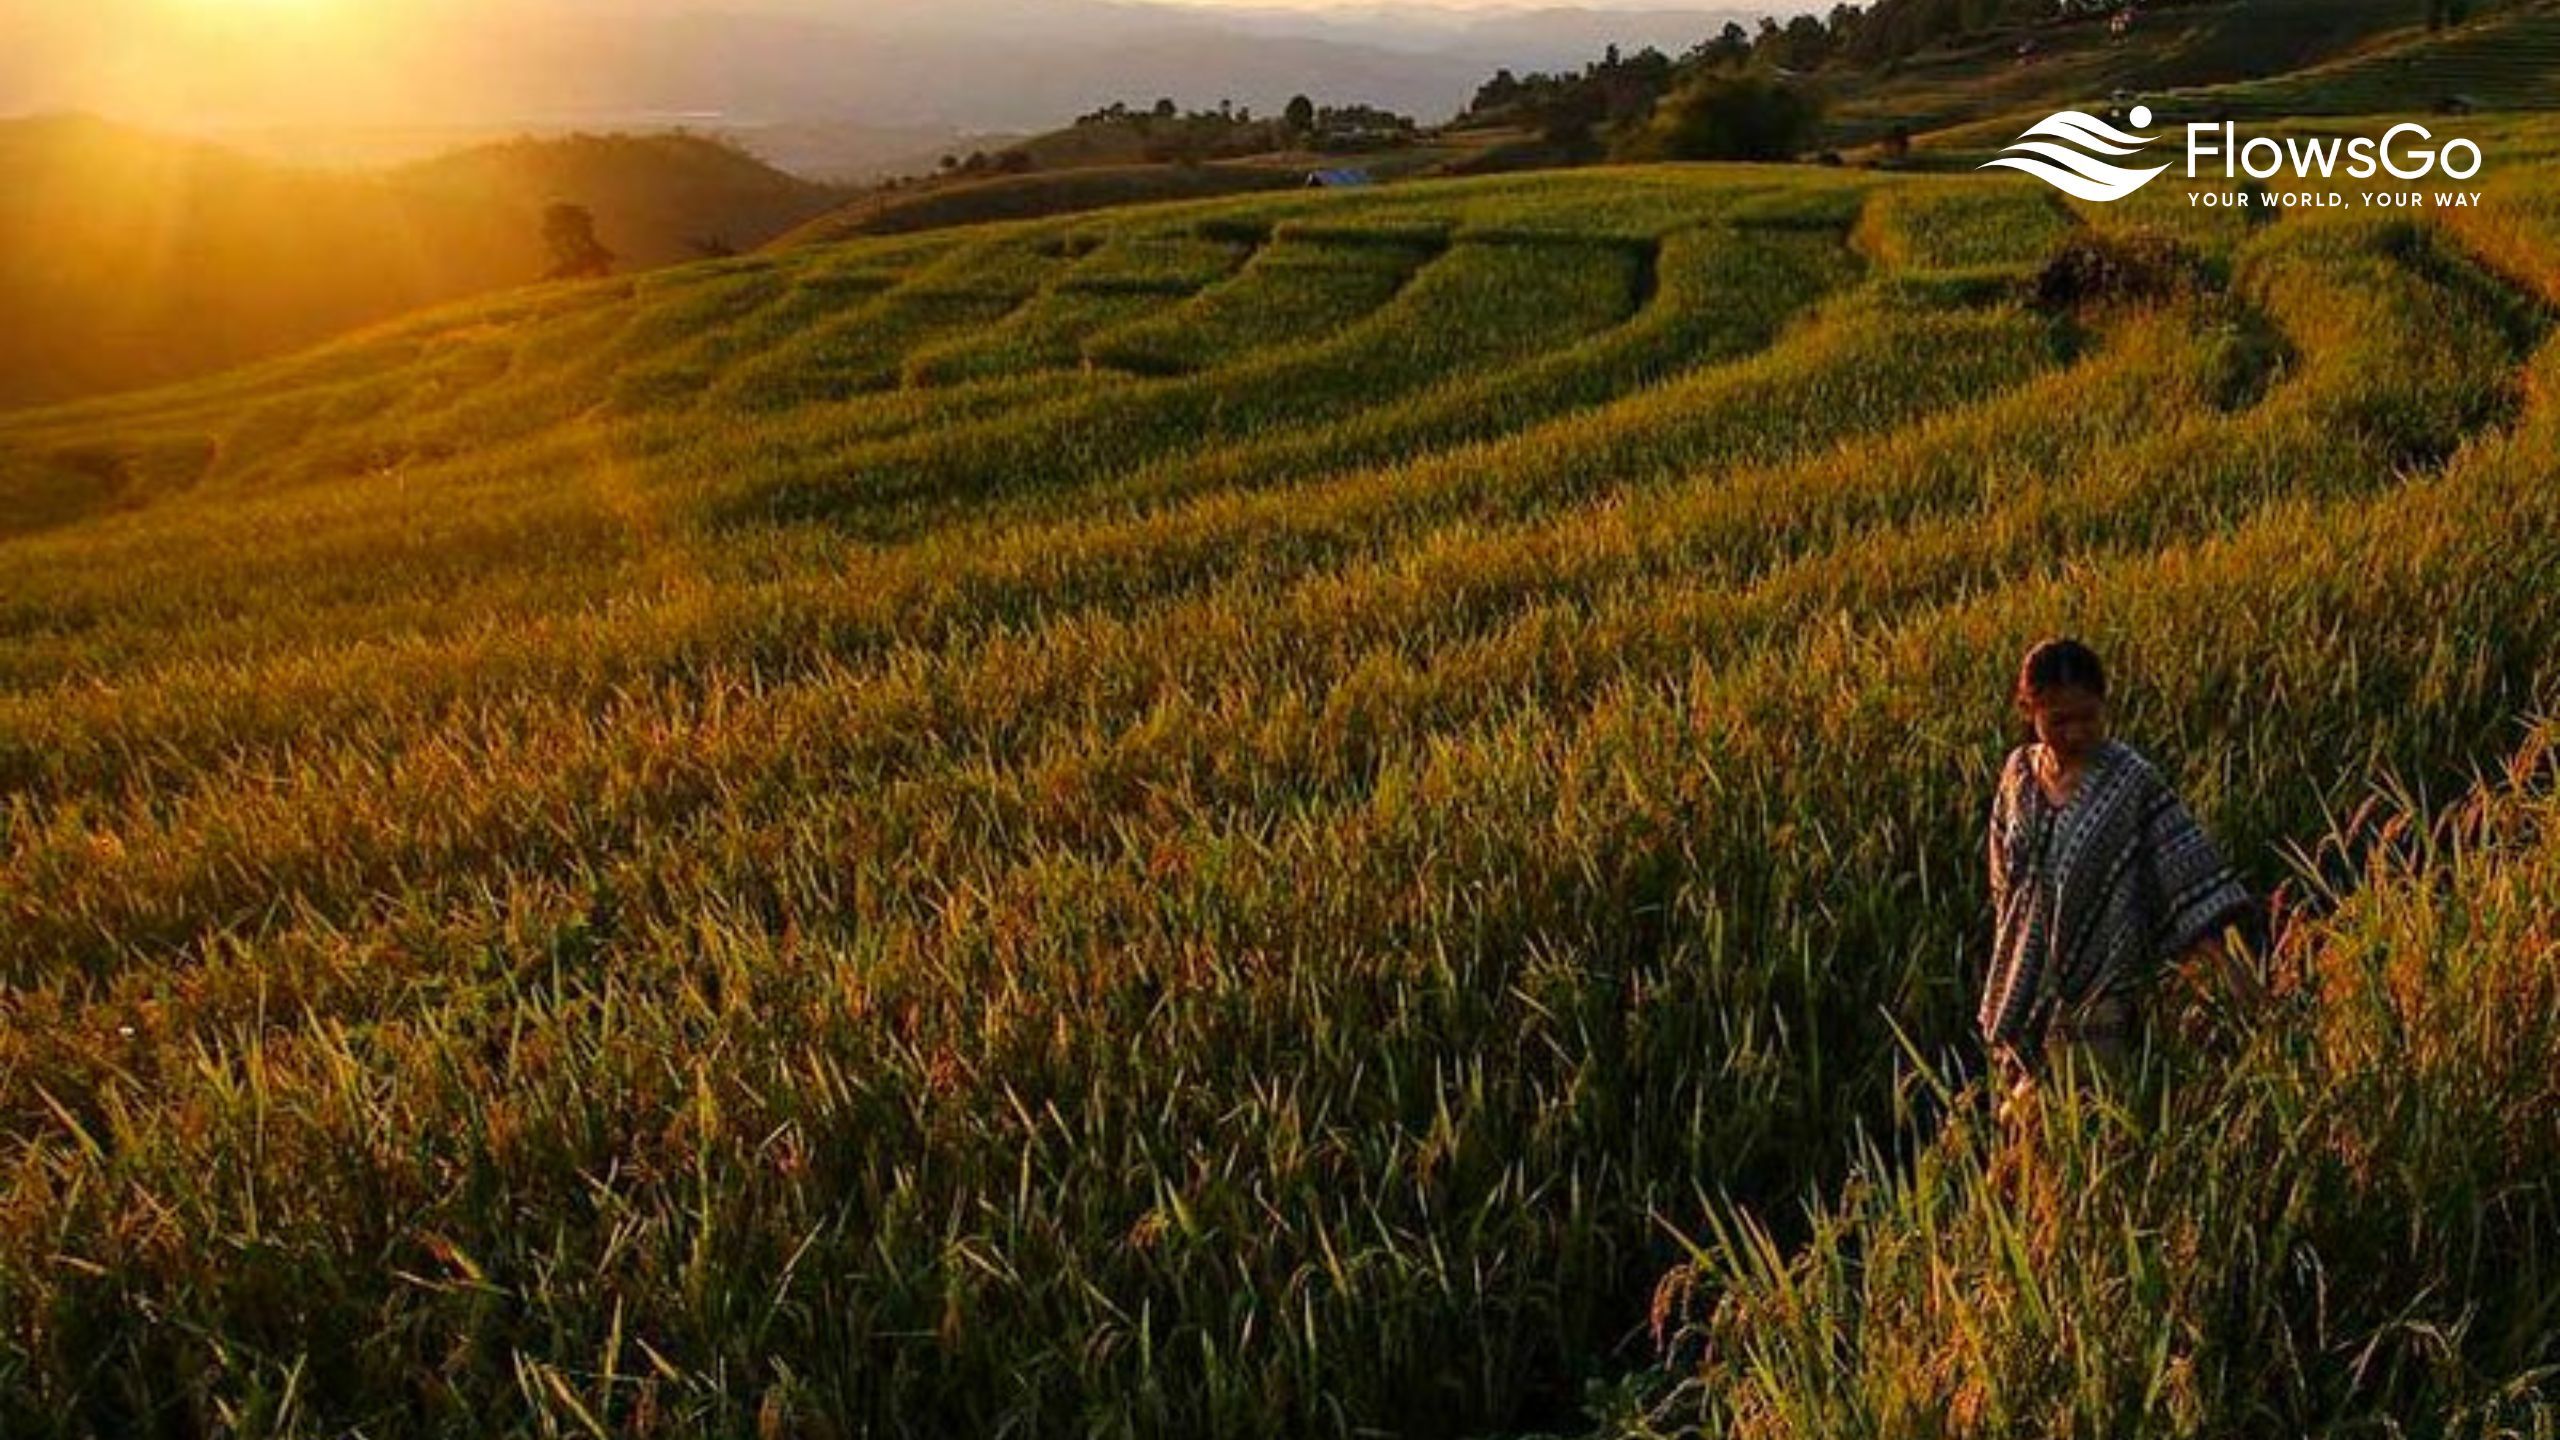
<point x="1567" y="107"/>
<point x="1630" y="85"/>
<point x="1731" y="48"/>
<point x="1301" y="113"/>
<point x="1804" y="44"/>
<point x="1723" y="115"/>
<point x="569" y="233"/>
<point x="1567" y="120"/>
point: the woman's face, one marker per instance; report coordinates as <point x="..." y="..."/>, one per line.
<point x="2070" y="720"/>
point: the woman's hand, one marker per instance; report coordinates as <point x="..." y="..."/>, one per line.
<point x="2016" y="1085"/>
<point x="2249" y="992"/>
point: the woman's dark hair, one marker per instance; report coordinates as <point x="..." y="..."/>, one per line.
<point x="2061" y="664"/>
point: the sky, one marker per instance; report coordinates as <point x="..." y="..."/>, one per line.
<point x="191" y="62"/>
<point x="1472" y="5"/>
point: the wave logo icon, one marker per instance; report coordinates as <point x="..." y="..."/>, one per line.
<point x="2070" y="166"/>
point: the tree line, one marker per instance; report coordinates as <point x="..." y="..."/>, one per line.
<point x="1171" y="133"/>
<point x="1755" y="94"/>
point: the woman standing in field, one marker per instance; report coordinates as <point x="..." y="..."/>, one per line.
<point x="2099" y="878"/>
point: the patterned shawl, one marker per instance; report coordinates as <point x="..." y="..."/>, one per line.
<point x="2092" y="898"/>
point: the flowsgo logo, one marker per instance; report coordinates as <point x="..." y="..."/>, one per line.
<point x="2077" y="172"/>
<point x="2069" y="159"/>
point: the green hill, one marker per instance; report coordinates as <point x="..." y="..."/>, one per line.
<point x="2509" y="61"/>
<point x="1025" y="197"/>
<point x="2503" y="61"/>
<point x="1225" y="819"/>
<point x="1089" y="167"/>
<point x="2078" y="61"/>
<point x="129" y="259"/>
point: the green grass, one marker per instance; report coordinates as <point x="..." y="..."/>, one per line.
<point x="1074" y="191"/>
<point x="2303" y="1219"/>
<point x="791" y="847"/>
<point x="1116" y="282"/>
<point x="2077" y="64"/>
<point x="2503" y="61"/>
<point x="1295" y="290"/>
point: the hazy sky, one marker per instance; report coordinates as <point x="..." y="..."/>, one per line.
<point x="1463" y="5"/>
<point x="192" y="62"/>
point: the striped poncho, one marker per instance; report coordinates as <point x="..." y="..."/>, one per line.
<point x="2092" y="898"/>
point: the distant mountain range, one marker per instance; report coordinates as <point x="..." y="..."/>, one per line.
<point x="966" y="64"/>
<point x="1544" y="37"/>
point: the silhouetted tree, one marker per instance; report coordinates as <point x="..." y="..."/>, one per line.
<point x="1301" y="113"/>
<point x="1749" y="115"/>
<point x="1629" y="85"/>
<point x="569" y="233"/>
<point x="1806" y="43"/>
<point x="1731" y="47"/>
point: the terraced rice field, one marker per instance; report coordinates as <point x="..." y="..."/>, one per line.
<point x="1208" y="820"/>
<point x="2504" y="61"/>
<point x="2079" y="62"/>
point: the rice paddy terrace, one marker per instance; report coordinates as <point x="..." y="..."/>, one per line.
<point x="1187" y="821"/>
<point x="2509" y="59"/>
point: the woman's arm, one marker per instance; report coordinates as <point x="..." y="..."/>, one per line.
<point x="2200" y="897"/>
<point x="2009" y="984"/>
<point x="2001" y="819"/>
<point x="2214" y="951"/>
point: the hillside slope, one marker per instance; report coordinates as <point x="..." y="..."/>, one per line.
<point x="2503" y="61"/>
<point x="2256" y="57"/>
<point x="1033" y="196"/>
<point x="1188" y="822"/>
<point x="128" y="259"/>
